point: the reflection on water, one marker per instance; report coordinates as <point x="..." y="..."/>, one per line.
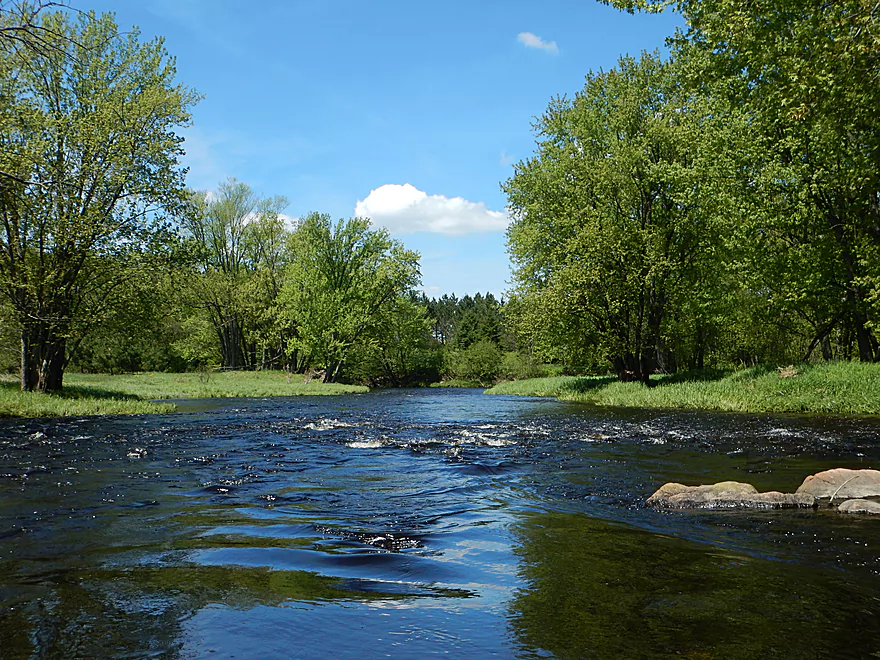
<point x="599" y="589"/>
<point x="419" y="522"/>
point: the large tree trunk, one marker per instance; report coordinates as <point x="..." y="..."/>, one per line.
<point x="632" y="368"/>
<point x="666" y="362"/>
<point x="43" y="359"/>
<point x="330" y="375"/>
<point x="867" y="342"/>
<point x="231" y="345"/>
<point x="626" y="367"/>
<point x="698" y="358"/>
<point x="52" y="366"/>
<point x="30" y="375"/>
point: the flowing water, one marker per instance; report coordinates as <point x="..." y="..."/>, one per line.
<point x="426" y="522"/>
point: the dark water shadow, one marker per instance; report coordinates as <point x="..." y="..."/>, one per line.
<point x="140" y="612"/>
<point x="597" y="589"/>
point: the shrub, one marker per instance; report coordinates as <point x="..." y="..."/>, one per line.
<point x="518" y="366"/>
<point x="481" y="361"/>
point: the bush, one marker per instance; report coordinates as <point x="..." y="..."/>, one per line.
<point x="480" y="362"/>
<point x="518" y="366"/>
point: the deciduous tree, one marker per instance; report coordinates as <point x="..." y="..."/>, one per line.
<point x="239" y="242"/>
<point x="609" y="237"/>
<point x="344" y="278"/>
<point x="90" y="143"/>
<point x="806" y="74"/>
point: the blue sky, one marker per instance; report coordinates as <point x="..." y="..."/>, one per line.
<point x="411" y="112"/>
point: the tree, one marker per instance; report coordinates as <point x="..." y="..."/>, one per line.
<point x="609" y="237"/>
<point x="90" y="141"/>
<point x="137" y="336"/>
<point x="342" y="280"/>
<point x="443" y="313"/>
<point x="479" y="362"/>
<point x="20" y="28"/>
<point x="478" y="319"/>
<point x="238" y="241"/>
<point x="805" y="73"/>
<point x="399" y="352"/>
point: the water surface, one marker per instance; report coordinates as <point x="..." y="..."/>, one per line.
<point x="422" y="522"/>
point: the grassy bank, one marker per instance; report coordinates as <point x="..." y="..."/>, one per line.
<point x="834" y="388"/>
<point x="459" y="382"/>
<point x="100" y="394"/>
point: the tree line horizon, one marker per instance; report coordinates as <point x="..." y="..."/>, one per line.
<point x="713" y="208"/>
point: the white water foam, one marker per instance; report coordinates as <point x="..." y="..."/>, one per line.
<point x="365" y="444"/>
<point x="327" y="424"/>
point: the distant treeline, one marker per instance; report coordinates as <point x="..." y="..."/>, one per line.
<point x="239" y="288"/>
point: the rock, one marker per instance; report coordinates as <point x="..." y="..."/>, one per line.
<point x="725" y="495"/>
<point x="661" y="497"/>
<point x="841" y="483"/>
<point x="860" y="506"/>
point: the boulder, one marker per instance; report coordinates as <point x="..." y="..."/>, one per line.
<point x="860" y="506"/>
<point x="666" y="491"/>
<point x="725" y="495"/>
<point x="841" y="483"/>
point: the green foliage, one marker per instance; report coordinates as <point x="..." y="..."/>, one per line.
<point x="480" y="362"/>
<point x="719" y="208"/>
<point x="10" y="339"/>
<point x="478" y="319"/>
<point x="609" y="238"/>
<point x="238" y="245"/>
<point x="142" y="336"/>
<point x="342" y="282"/>
<point x="803" y="75"/>
<point x="517" y="366"/>
<point x="89" y="160"/>
<point x="400" y="353"/>
<point x="460" y="322"/>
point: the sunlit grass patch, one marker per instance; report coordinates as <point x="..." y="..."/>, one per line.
<point x="142" y="393"/>
<point x="835" y="388"/>
<point x="557" y="386"/>
<point x="206" y="385"/>
<point x="459" y="383"/>
<point x="74" y="402"/>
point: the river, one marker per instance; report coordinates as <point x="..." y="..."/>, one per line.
<point x="405" y="523"/>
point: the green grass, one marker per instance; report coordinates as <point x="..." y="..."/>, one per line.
<point x="557" y="386"/>
<point x="458" y="382"/>
<point x="206" y="385"/>
<point x="833" y="388"/>
<point x="74" y="402"/>
<point x="132" y="394"/>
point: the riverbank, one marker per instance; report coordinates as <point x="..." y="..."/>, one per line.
<point x="832" y="388"/>
<point x="143" y="393"/>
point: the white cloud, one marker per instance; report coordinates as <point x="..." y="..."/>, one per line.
<point x="290" y="222"/>
<point x="534" y="41"/>
<point x="406" y="209"/>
